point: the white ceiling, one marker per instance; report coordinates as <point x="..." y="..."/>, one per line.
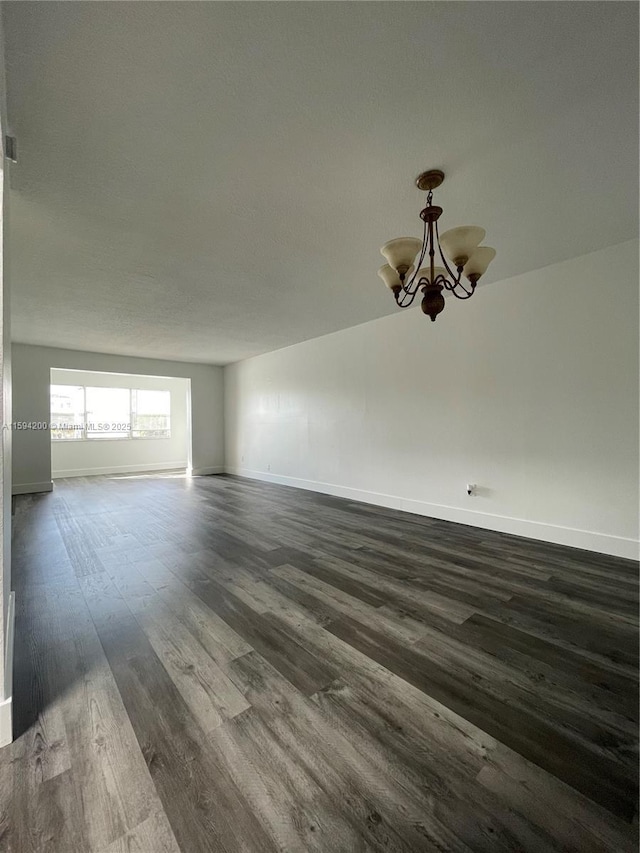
<point x="208" y="181"/>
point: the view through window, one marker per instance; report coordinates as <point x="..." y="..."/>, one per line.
<point x="86" y="412"/>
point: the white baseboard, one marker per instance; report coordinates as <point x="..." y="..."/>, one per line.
<point x="214" y="469"/>
<point x="6" y="703"/>
<point x="120" y="469"/>
<point x="31" y="488"/>
<point x="588" y="540"/>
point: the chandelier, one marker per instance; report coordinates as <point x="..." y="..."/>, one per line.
<point x="460" y="245"/>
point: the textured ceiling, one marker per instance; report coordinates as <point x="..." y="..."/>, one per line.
<point x="207" y="181"/>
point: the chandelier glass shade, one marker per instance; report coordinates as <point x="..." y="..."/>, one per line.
<point x="459" y="249"/>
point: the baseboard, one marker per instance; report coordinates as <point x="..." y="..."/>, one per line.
<point x="588" y="540"/>
<point x="6" y="703"/>
<point x="214" y="469"/>
<point x="120" y="469"/>
<point x="31" y="488"/>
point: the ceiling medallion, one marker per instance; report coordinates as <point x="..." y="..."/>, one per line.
<point x="460" y="245"/>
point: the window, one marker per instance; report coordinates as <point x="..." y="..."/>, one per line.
<point x="67" y="412"/>
<point x="108" y="412"/>
<point x="150" y="414"/>
<point x="79" y="412"/>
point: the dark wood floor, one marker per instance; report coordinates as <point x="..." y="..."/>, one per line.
<point x="218" y="664"/>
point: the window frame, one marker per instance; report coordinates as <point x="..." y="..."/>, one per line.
<point x="132" y="429"/>
<point x="82" y="434"/>
<point x="78" y="434"/>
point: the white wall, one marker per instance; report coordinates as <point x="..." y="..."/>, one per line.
<point x="84" y="457"/>
<point x="31" y="380"/>
<point x="7" y="601"/>
<point x="7" y="608"/>
<point x="529" y="390"/>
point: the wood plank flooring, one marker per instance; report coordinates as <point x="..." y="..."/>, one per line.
<point x="218" y="664"/>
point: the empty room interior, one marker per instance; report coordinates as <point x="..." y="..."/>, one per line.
<point x="320" y="441"/>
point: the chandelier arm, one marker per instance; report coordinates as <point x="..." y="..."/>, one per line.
<point x="401" y="298"/>
<point x="467" y="292"/>
<point x="457" y="280"/>
<point x="405" y="300"/>
<point x="407" y="287"/>
<point x="454" y="278"/>
<point x="453" y="288"/>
